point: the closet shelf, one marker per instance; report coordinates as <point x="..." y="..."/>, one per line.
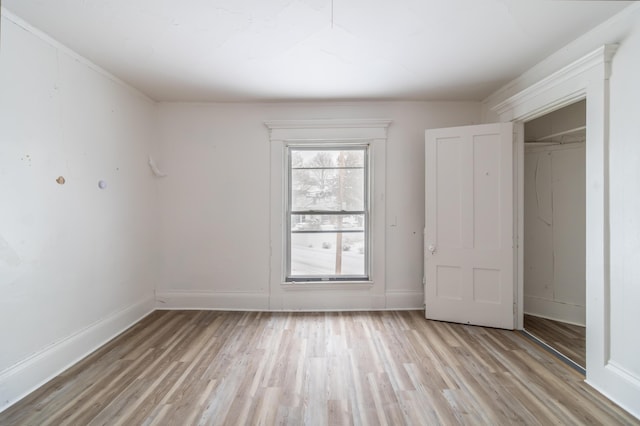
<point x="558" y="138"/>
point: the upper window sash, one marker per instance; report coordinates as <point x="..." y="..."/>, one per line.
<point x="355" y="201"/>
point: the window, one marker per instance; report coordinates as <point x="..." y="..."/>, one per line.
<point x="327" y="213"/>
<point x="291" y="284"/>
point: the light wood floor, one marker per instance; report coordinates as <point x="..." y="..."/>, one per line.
<point x="568" y="339"/>
<point x="196" y="367"/>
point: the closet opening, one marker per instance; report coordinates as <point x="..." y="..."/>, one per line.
<point x="554" y="248"/>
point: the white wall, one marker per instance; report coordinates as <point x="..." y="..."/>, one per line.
<point x="76" y="262"/>
<point x="215" y="199"/>
<point x="625" y="206"/>
<point x="613" y="343"/>
<point x="554" y="233"/>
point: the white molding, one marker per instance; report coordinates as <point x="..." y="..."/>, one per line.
<point x="328" y="123"/>
<point x="404" y="300"/>
<point x="13" y="18"/>
<point x="327" y="301"/>
<point x="211" y="300"/>
<point x="602" y="55"/>
<point x="553" y="310"/>
<point x="327" y="286"/>
<point x="623" y="372"/>
<point x="309" y="300"/>
<point x="20" y="379"/>
<point x="618" y="384"/>
<point x="327" y="129"/>
<point x="613" y="30"/>
<point x="518" y="222"/>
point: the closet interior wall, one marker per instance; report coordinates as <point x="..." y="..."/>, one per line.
<point x="554" y="215"/>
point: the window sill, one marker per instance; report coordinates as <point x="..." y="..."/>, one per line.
<point x="327" y="285"/>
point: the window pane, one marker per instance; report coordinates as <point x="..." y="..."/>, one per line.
<point x="302" y="158"/>
<point x="316" y="254"/>
<point x="338" y="222"/>
<point x="327" y="189"/>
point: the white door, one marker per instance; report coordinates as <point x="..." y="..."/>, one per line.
<point x="469" y="225"/>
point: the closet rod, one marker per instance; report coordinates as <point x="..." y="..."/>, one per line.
<point x="564" y="132"/>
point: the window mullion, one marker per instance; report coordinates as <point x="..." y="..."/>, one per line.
<point x="328" y="212"/>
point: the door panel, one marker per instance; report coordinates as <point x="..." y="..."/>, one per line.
<point x="486" y="181"/>
<point x="469" y="225"/>
<point x="448" y="282"/>
<point x="448" y="203"/>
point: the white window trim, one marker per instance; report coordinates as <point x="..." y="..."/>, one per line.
<point x="363" y="145"/>
<point x="336" y="294"/>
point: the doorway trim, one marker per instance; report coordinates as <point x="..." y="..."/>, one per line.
<point x="587" y="78"/>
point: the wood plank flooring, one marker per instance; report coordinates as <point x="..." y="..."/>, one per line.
<point x="568" y="339"/>
<point x="361" y="368"/>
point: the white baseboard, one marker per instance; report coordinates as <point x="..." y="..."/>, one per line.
<point x="618" y="384"/>
<point x="327" y="301"/>
<point x="208" y="300"/>
<point x="20" y="379"/>
<point x="308" y="300"/>
<point x="405" y="300"/>
<point x="564" y="312"/>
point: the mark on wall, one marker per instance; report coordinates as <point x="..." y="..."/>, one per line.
<point x="543" y="180"/>
<point x="27" y="159"/>
<point x="154" y="168"/>
<point x="60" y="180"/>
<point x="102" y="184"/>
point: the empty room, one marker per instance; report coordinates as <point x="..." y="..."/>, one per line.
<point x="319" y="212"/>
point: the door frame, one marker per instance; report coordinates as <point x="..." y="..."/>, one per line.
<point x="587" y="78"/>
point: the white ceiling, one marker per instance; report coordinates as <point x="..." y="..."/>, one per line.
<point x="230" y="50"/>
